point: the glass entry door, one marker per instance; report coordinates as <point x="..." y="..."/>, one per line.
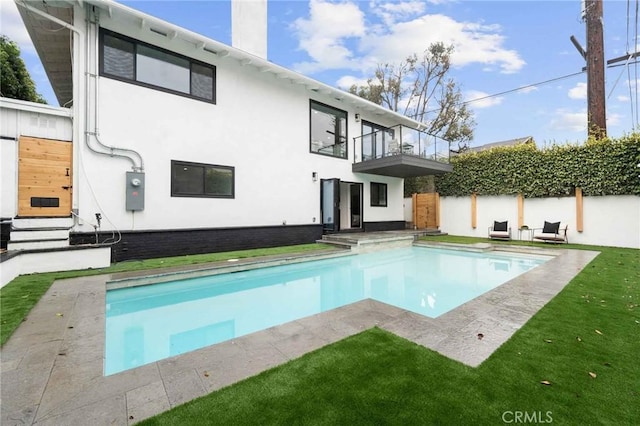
<point x="330" y="204"/>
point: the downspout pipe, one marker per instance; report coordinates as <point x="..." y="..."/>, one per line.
<point x="113" y="150"/>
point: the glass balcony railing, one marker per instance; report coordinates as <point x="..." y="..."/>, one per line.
<point x="400" y="140"/>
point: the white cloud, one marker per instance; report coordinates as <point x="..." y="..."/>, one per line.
<point x="390" y="12"/>
<point x="323" y="35"/>
<point x="569" y="120"/>
<point x="345" y="82"/>
<point x="613" y="119"/>
<point x="473" y="42"/>
<point x="579" y="91"/>
<point x="405" y="30"/>
<point x="529" y="89"/>
<point x="623" y="98"/>
<point x="12" y="26"/>
<point x="482" y="100"/>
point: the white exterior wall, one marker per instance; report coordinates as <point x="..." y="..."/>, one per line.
<point x="607" y="220"/>
<point x="9" y="177"/>
<point x="20" y="118"/>
<point x="259" y="125"/>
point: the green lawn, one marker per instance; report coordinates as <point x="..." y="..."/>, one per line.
<point x="592" y="326"/>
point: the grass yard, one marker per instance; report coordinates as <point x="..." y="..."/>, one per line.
<point x="575" y="362"/>
<point x="585" y="343"/>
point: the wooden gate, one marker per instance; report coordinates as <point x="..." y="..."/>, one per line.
<point x="44" y="177"/>
<point x="426" y="210"/>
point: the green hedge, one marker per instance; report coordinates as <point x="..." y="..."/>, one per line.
<point x="599" y="167"/>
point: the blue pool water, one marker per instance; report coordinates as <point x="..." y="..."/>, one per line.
<point x="152" y="322"/>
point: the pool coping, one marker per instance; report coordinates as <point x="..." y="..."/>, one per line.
<point x="51" y="370"/>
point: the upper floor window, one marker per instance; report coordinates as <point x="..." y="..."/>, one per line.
<point x="201" y="180"/>
<point x="378" y="194"/>
<point x="136" y="62"/>
<point x="328" y="130"/>
<point x="375" y="140"/>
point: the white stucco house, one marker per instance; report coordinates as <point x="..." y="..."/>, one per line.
<point x="168" y="142"/>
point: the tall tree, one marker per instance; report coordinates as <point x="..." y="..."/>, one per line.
<point x="15" y="80"/>
<point x="420" y="88"/>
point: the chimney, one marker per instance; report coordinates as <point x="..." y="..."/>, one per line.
<point x="249" y="26"/>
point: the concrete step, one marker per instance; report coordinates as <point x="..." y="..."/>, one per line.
<point x="38" y="244"/>
<point x="40" y="234"/>
<point x="338" y="239"/>
<point x="41" y="222"/>
<point x="336" y="242"/>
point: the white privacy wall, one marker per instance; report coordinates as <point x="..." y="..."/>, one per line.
<point x="9" y="178"/>
<point x="608" y="220"/>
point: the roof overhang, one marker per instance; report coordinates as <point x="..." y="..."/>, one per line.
<point x="52" y="41"/>
<point x="54" y="51"/>
<point x="402" y="166"/>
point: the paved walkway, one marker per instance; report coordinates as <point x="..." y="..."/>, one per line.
<point x="52" y="367"/>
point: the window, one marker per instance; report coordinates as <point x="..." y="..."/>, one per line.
<point x="374" y="140"/>
<point x="328" y="130"/>
<point x="202" y="180"/>
<point x="130" y="60"/>
<point x="378" y="194"/>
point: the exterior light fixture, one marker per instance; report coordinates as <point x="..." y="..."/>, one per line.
<point x="314" y="176"/>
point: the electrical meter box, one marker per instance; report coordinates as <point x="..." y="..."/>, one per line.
<point x="135" y="191"/>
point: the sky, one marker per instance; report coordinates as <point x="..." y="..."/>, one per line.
<point x="499" y="46"/>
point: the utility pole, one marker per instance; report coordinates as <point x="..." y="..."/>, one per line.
<point x="596" y="111"/>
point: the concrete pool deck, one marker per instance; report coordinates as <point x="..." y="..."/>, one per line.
<point x="52" y="366"/>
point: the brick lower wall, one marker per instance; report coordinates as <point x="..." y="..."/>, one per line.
<point x="395" y="225"/>
<point x="166" y="243"/>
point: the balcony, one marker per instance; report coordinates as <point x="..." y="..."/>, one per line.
<point x="400" y="151"/>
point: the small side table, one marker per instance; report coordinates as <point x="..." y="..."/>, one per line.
<point x="528" y="233"/>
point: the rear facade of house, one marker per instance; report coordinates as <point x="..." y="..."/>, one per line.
<point x="170" y="143"/>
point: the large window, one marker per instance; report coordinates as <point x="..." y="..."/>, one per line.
<point x="201" y="180"/>
<point x="130" y="60"/>
<point x="375" y="139"/>
<point x="328" y="130"/>
<point x="378" y="194"/>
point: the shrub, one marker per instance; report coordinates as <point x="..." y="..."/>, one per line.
<point x="599" y="167"/>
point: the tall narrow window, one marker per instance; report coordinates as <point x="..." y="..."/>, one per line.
<point x="139" y="63"/>
<point x="328" y="130"/>
<point x="374" y="139"/>
<point x="378" y="194"/>
<point x="118" y="57"/>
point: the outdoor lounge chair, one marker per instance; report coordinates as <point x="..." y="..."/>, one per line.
<point x="394" y="147"/>
<point x="551" y="233"/>
<point x="500" y="231"/>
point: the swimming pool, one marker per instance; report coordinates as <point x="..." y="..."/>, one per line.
<point x="148" y="323"/>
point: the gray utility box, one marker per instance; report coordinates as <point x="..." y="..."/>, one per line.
<point x="135" y="191"/>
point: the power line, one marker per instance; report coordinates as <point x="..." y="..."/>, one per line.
<point x="528" y="86"/>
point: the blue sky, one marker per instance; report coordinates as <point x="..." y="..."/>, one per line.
<point x="499" y="46"/>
